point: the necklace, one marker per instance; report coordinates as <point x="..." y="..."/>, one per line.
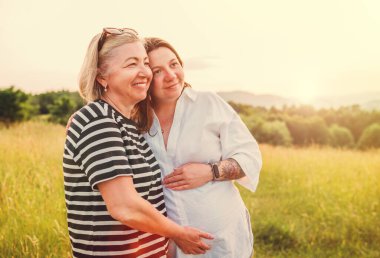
<point x="167" y="127"/>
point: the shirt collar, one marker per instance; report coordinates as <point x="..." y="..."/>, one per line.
<point x="190" y="93"/>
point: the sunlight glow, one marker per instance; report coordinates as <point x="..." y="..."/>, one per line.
<point x="307" y="92"/>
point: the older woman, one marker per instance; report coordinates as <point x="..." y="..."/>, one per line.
<point x="114" y="198"/>
<point x="201" y="145"/>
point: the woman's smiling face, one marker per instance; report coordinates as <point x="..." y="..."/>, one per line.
<point x="168" y="75"/>
<point x="128" y="74"/>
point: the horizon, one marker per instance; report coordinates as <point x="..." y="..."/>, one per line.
<point x="264" y="48"/>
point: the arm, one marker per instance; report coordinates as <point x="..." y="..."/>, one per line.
<point x="100" y="152"/>
<point x="229" y="169"/>
<point x="192" y="175"/>
<point x="240" y="154"/>
<point x="125" y="205"/>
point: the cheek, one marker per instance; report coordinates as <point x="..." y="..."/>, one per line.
<point x="180" y="74"/>
<point x="155" y="88"/>
<point x="156" y="83"/>
<point x="149" y="74"/>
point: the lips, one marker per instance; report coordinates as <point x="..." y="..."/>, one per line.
<point x="172" y="86"/>
<point x="140" y="84"/>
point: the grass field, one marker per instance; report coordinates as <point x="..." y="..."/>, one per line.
<point x="311" y="202"/>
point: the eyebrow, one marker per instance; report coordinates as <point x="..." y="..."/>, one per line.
<point x="134" y="58"/>
<point x="174" y="59"/>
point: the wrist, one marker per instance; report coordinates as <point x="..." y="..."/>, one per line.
<point x="177" y="233"/>
<point x="210" y="174"/>
<point x="214" y="171"/>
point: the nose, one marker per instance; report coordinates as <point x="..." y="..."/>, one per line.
<point x="145" y="71"/>
<point x="169" y="75"/>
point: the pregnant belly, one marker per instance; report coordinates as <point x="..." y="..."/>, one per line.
<point x="209" y="208"/>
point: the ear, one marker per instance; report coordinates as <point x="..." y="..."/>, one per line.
<point x="101" y="80"/>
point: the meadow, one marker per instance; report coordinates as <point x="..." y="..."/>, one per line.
<point x="311" y="202"/>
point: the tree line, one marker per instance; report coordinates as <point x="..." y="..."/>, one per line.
<point x="344" y="127"/>
<point x="53" y="106"/>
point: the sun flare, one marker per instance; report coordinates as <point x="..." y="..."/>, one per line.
<point x="306" y="93"/>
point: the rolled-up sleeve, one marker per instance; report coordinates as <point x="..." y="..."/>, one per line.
<point x="238" y="143"/>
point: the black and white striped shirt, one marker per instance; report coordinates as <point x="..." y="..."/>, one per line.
<point x="101" y="145"/>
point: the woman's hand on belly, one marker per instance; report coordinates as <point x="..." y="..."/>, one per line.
<point x="188" y="176"/>
<point x="192" y="241"/>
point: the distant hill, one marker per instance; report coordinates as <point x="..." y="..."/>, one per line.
<point x="370" y="100"/>
<point x="367" y="100"/>
<point x="371" y="105"/>
<point x="260" y="100"/>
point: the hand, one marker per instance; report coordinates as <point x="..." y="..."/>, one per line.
<point x="188" y="176"/>
<point x="69" y="122"/>
<point x="190" y="241"/>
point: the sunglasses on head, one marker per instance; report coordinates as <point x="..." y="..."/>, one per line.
<point x="114" y="31"/>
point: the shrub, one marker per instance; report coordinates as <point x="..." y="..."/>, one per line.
<point x="61" y="109"/>
<point x="370" y="137"/>
<point x="306" y="131"/>
<point x="275" y="133"/>
<point x="14" y="105"/>
<point x="340" y="136"/>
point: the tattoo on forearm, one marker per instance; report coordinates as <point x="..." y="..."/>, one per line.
<point x="229" y="169"/>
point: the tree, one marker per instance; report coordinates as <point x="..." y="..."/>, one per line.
<point x="341" y="136"/>
<point x="306" y="131"/>
<point x="275" y="133"/>
<point x="45" y="100"/>
<point x="370" y="137"/>
<point x="61" y="109"/>
<point x="13" y="105"/>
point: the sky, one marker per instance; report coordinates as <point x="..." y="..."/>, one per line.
<point x="294" y="48"/>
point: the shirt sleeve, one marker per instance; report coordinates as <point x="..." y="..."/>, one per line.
<point x="100" y="152"/>
<point x="238" y="143"/>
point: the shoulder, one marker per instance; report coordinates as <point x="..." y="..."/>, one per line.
<point x="202" y="96"/>
<point x="211" y="100"/>
<point x="91" y="111"/>
<point x="94" y="114"/>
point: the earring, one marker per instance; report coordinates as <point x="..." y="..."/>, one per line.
<point x="105" y="88"/>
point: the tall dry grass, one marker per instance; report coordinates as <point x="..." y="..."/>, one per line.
<point x="317" y="202"/>
<point x="311" y="202"/>
<point x="32" y="208"/>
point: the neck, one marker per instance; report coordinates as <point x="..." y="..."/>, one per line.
<point x="125" y="109"/>
<point x="164" y="109"/>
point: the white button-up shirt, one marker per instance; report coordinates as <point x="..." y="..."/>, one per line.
<point x="206" y="129"/>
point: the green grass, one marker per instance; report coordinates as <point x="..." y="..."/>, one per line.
<point x="316" y="202"/>
<point x="32" y="208"/>
<point x="311" y="202"/>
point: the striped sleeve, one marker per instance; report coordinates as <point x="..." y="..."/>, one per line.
<point x="100" y="152"/>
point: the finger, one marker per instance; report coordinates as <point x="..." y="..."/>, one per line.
<point x="175" y="184"/>
<point x="173" y="179"/>
<point x="176" y="172"/>
<point x="199" y="250"/>
<point x="204" y="246"/>
<point x="205" y="235"/>
<point x="180" y="188"/>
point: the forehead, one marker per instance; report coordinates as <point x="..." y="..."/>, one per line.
<point x="161" y="55"/>
<point x="128" y="50"/>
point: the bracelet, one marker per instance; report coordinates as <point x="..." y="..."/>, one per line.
<point x="214" y="170"/>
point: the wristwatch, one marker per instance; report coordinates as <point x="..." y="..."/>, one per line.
<point x="215" y="171"/>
